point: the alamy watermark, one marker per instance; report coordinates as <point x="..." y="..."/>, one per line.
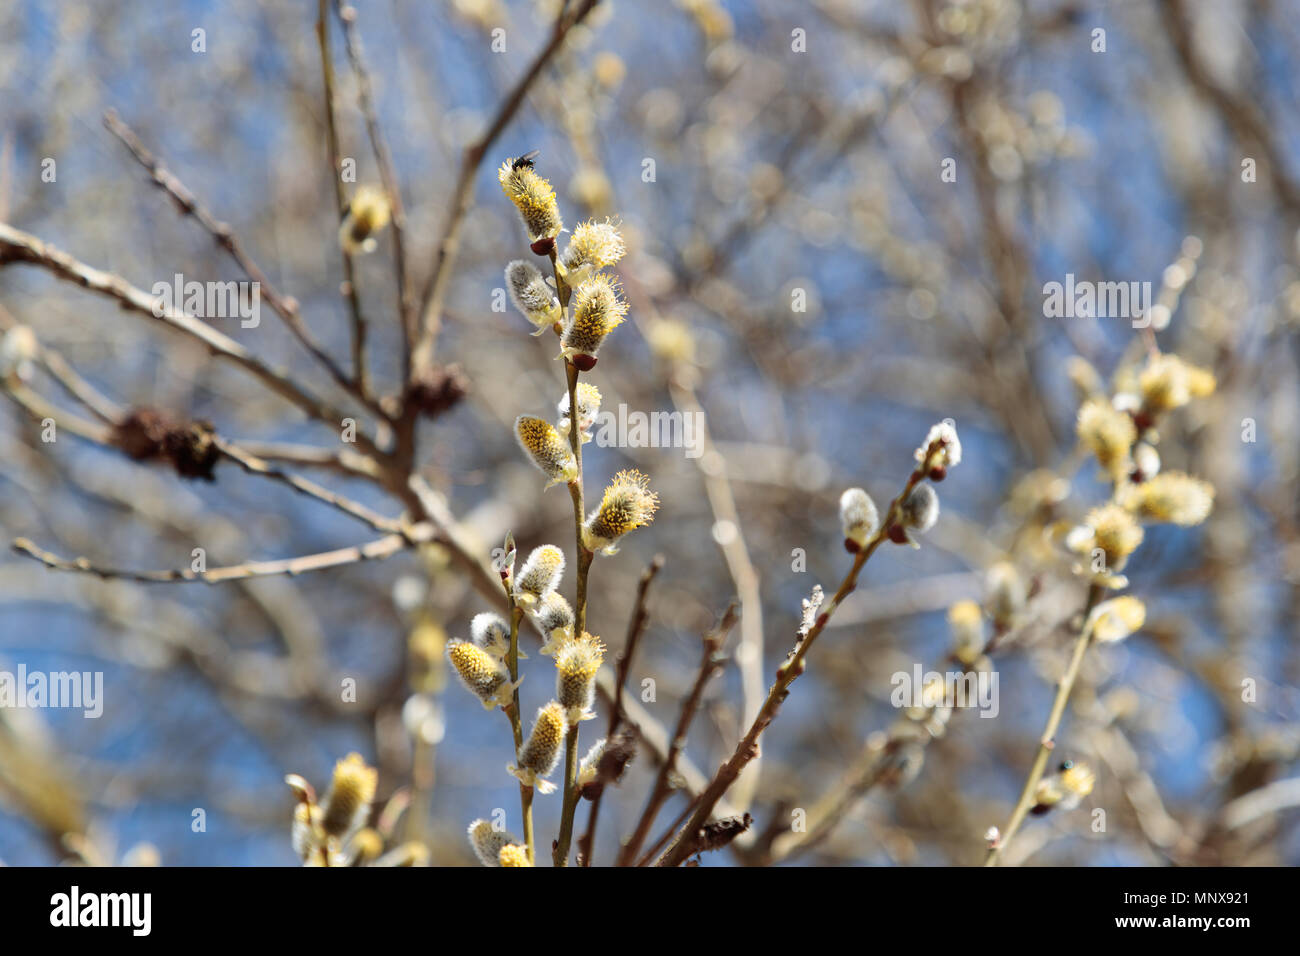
<point x="210" y="300"/>
<point x="633" y="429"/>
<point x="1098" y="300"/>
<point x="77" y="690"/>
<point x="975" y="689"/>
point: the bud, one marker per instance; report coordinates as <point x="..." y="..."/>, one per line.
<point x="540" y="575"/>
<point x="488" y="842"/>
<point x="628" y="504"/>
<point x="597" y="310"/>
<point x="588" y="396"/>
<point x="1006" y="592"/>
<point x="589" y="766"/>
<point x="368" y="214"/>
<point x="554" y="618"/>
<point x="576" y="664"/>
<point x="534" y="198"/>
<point x="859" y="519"/>
<point x="942" y="438"/>
<point x="531" y="295"/>
<point x="594" y="246"/>
<point x="347" y="804"/>
<point x="490" y="632"/>
<point x="919" y="512"/>
<point x="548" y="450"/>
<point x="541" y="751"/>
<point x="482" y="674"/>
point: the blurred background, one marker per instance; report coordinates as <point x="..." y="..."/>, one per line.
<point x="800" y="270"/>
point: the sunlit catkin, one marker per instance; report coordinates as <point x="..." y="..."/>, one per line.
<point x="918" y="513"/>
<point x="589" y="766"/>
<point x="347" y="804"/>
<point x="1172" y="496"/>
<point x="368" y="213"/>
<point x="598" y="309"/>
<point x="487" y="841"/>
<point x="533" y="197"/>
<point x="593" y="246"/>
<point x="540" y="575"/>
<point x="1108" y="433"/>
<point x="576" y="665"/>
<point x="547" y="449"/>
<point x="482" y="674"/>
<point x="628" y="504"/>
<point x="1114" y="620"/>
<point x="541" y="751"/>
<point x="1065" y="788"/>
<point x="532" y="296"/>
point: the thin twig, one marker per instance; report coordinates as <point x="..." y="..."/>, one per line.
<point x="710" y="662"/>
<point x="371" y="551"/>
<point x="635" y="628"/>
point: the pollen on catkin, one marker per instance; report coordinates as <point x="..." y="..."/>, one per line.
<point x="1114" y="532"/>
<point x="368" y="213"/>
<point x="1167" y="382"/>
<point x="576" y="665"/>
<point x="1108" y="433"/>
<point x="490" y="632"/>
<point x="347" y="804"/>
<point x="547" y="449"/>
<point x="487" y="841"/>
<point x="512" y="854"/>
<point x="540" y="575"/>
<point x="588" y="396"/>
<point x="1065" y="788"/>
<point x="541" y="751"/>
<point x="598" y="309"/>
<point x="482" y="674"/>
<point x="859" y="519"/>
<point x="1173" y="496"/>
<point x="533" y="197"/>
<point x="628" y="504"/>
<point x="554" y="618"/>
<point x="531" y="295"/>
<point x="594" y="246"/>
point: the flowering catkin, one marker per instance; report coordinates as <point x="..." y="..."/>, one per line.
<point x="533" y="197"/>
<point x="598" y="309"/>
<point x="594" y="246"/>
<point x="1116" y="619"/>
<point x="1172" y="496"/>
<point x="942" y="438"/>
<point x="547" y="449"/>
<point x="1065" y="788"/>
<point x="512" y="854"/>
<point x="347" y="804"/>
<point x="859" y="519"/>
<point x="628" y="504"/>
<point x="589" y="766"/>
<point x="576" y="664"/>
<point x="540" y="575"/>
<point x="487" y="841"/>
<point x="1108" y="433"/>
<point x="482" y="674"/>
<point x="530" y="294"/>
<point x="541" y="751"/>
<point x="368" y="214"/>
